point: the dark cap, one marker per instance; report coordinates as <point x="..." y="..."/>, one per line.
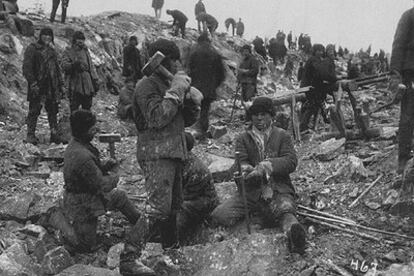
<point x="46" y="31"/>
<point x="81" y="121"/>
<point x="167" y="47"/>
<point x="262" y="105"/>
<point x="78" y="35"/>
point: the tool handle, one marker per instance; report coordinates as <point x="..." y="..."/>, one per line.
<point x="161" y="69"/>
<point x="112" y="150"/>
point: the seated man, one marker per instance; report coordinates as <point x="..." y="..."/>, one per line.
<point x="200" y="197"/>
<point x="267" y="157"/>
<point x="90" y="187"/>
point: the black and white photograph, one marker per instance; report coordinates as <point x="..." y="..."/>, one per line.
<point x="206" y="137"/>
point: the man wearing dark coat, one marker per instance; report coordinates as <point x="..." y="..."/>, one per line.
<point x="90" y="188"/>
<point x="179" y="21"/>
<point x="259" y="47"/>
<point x="199" y="8"/>
<point x="161" y="112"/>
<point x="157" y="6"/>
<point x="80" y="73"/>
<point x="247" y="73"/>
<point x="199" y="194"/>
<point x="42" y="72"/>
<point x="267" y="158"/>
<point x="55" y="6"/>
<point x="240" y="28"/>
<point x="209" y="22"/>
<point x="289" y="40"/>
<point x="320" y="74"/>
<point x="207" y="72"/>
<point x="132" y="66"/>
<point x="232" y="22"/>
<point x="402" y="69"/>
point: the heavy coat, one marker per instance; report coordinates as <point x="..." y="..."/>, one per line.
<point x="252" y="64"/>
<point x="402" y="55"/>
<point x="179" y="17"/>
<point x="240" y="28"/>
<point x="41" y="67"/>
<point x="199" y="8"/>
<point x="206" y="69"/>
<point x="85" y="180"/>
<point x="278" y="150"/>
<point x="160" y="122"/>
<point x="157" y="4"/>
<point x="132" y="63"/>
<point x="80" y="79"/>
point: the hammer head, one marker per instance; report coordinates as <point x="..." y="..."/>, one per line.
<point x="153" y="63"/>
<point x="109" y="138"/>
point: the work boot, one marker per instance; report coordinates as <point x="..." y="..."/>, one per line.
<point x="129" y="264"/>
<point x="169" y="233"/>
<point x="295" y="233"/>
<point x="131" y="213"/>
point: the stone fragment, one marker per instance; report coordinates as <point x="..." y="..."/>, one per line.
<point x="217" y="131"/>
<point x="330" y="149"/>
<point x="220" y="167"/>
<point x="56" y="260"/>
<point x="114" y="253"/>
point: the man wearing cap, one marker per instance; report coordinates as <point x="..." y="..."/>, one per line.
<point x="90" y="185"/>
<point x="267" y="157"/>
<point x="247" y="73"/>
<point x="207" y="72"/>
<point x="199" y="8"/>
<point x="132" y="66"/>
<point x="55" y="6"/>
<point x="42" y="72"/>
<point x="180" y="19"/>
<point x="80" y="73"/>
<point x="161" y="112"/>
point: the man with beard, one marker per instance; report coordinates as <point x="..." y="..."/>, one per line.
<point x="267" y="158"/>
<point x="55" y="6"/>
<point x="42" y="72"/>
<point x="247" y="73"/>
<point x="161" y="112"/>
<point x="207" y="72"/>
<point x="179" y="21"/>
<point x="80" y="72"/>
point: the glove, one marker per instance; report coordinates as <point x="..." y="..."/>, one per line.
<point x="195" y="95"/>
<point x="110" y="165"/>
<point x="257" y="172"/>
<point x="180" y="84"/>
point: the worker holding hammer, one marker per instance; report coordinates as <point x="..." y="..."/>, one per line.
<point x="90" y="187"/>
<point x="266" y="157"/>
<point x="161" y="112"/>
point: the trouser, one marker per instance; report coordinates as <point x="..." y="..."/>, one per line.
<point x="35" y="107"/>
<point x="232" y="210"/>
<point x="248" y="91"/>
<point x="85" y="226"/>
<point x="204" y="115"/>
<point x="77" y="100"/>
<point x="199" y="26"/>
<point x="406" y="124"/>
<point x="179" y="27"/>
<point x="192" y="214"/>
<point x="212" y="27"/>
<point x="55" y="7"/>
<point x="163" y="183"/>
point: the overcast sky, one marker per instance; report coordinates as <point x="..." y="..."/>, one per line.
<point x="352" y="23"/>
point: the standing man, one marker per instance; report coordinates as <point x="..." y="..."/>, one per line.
<point x="132" y="61"/>
<point x="80" y="73"/>
<point x="55" y="6"/>
<point x="267" y="158"/>
<point x="157" y="6"/>
<point x="179" y="21"/>
<point x="209" y="22"/>
<point x="259" y="47"/>
<point x="402" y="69"/>
<point x="240" y="28"/>
<point x="207" y="72"/>
<point x="247" y="73"/>
<point x="42" y="72"/>
<point x="289" y="40"/>
<point x="161" y="113"/>
<point x="199" y="8"/>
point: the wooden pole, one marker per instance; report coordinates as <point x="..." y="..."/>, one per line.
<point x="365" y="191"/>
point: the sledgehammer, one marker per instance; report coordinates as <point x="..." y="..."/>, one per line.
<point x="110" y="138"/>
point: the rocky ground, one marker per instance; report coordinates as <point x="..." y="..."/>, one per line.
<point x="329" y="178"/>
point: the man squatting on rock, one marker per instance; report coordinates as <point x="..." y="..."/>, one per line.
<point x="42" y="72"/>
<point x="90" y="189"/>
<point x="267" y="157"/>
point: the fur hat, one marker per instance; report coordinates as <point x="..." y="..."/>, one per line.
<point x="167" y="47"/>
<point x="46" y="31"/>
<point x="81" y="121"/>
<point x="78" y="35"/>
<point x="262" y="104"/>
<point x="317" y="47"/>
<point x="246" y="47"/>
